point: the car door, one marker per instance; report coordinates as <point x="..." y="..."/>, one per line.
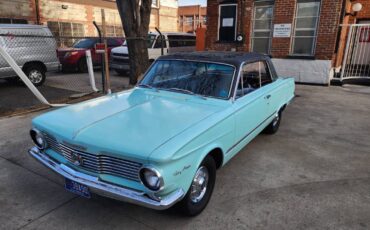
<point x="251" y="106"/>
<point x="274" y="95"/>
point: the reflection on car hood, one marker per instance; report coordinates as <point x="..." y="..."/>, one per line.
<point x="133" y="122"/>
<point x="120" y="50"/>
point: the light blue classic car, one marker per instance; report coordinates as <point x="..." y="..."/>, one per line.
<point x="161" y="142"/>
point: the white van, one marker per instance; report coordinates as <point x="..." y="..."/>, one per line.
<point x="174" y="42"/>
<point x="33" y="48"/>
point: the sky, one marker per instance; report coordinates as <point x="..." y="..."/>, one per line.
<point x="192" y="2"/>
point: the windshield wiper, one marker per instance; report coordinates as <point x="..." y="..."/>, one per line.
<point x="185" y="91"/>
<point x="146" y="86"/>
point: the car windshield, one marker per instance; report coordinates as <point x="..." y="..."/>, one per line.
<point x="190" y="77"/>
<point x="149" y="43"/>
<point x="85" y="43"/>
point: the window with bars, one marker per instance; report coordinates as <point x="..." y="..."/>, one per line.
<point x="113" y="30"/>
<point x="66" y="29"/>
<point x="305" y="29"/>
<point x="262" y="26"/>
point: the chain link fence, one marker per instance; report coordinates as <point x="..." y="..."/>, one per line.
<point x="58" y="66"/>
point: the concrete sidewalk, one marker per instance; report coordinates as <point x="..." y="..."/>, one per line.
<point x="314" y="173"/>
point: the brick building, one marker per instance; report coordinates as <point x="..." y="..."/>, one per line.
<point x="304" y="37"/>
<point x="192" y="17"/>
<point x="75" y="17"/>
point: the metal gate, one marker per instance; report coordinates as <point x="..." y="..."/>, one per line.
<point x="356" y="60"/>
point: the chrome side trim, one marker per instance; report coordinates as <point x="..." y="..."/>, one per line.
<point x="246" y="135"/>
<point x="106" y="189"/>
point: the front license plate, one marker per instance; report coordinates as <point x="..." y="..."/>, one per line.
<point x="77" y="188"/>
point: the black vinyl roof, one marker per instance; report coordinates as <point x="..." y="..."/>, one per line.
<point x="232" y="58"/>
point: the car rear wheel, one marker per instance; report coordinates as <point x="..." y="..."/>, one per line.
<point x="273" y="127"/>
<point x="200" y="191"/>
<point x="36" y="74"/>
<point x="82" y="65"/>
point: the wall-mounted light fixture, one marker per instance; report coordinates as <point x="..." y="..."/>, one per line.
<point x="356" y="7"/>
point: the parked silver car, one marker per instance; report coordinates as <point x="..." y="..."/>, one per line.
<point x="32" y="47"/>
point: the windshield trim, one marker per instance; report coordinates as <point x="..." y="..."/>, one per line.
<point x="201" y="61"/>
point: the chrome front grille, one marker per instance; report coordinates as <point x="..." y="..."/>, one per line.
<point x="100" y="164"/>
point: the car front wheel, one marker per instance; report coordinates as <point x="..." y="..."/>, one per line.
<point x="200" y="191"/>
<point x="36" y="74"/>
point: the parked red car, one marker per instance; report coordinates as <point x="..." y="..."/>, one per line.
<point x="74" y="58"/>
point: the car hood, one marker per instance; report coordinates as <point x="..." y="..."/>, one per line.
<point x="120" y="49"/>
<point x="133" y="123"/>
<point x="62" y="51"/>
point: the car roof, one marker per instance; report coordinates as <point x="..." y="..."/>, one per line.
<point x="227" y="57"/>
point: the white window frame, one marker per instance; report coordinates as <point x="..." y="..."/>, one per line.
<point x="155" y="5"/>
<point x="313" y="49"/>
<point x="259" y="30"/>
<point x="236" y="19"/>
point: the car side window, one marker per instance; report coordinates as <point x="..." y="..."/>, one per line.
<point x="265" y="74"/>
<point x="158" y="43"/>
<point x="254" y="75"/>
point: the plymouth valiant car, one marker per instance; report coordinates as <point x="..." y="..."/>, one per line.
<point x="160" y="143"/>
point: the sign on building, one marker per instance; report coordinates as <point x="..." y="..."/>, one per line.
<point x="282" y="30"/>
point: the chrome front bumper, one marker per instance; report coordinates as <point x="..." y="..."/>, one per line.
<point x="106" y="189"/>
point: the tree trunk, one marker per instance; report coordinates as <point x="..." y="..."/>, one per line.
<point x="135" y="17"/>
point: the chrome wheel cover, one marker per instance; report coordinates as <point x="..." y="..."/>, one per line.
<point x="276" y="120"/>
<point x="35" y="76"/>
<point x="199" y="185"/>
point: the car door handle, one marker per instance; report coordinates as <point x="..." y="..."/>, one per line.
<point x="268" y="96"/>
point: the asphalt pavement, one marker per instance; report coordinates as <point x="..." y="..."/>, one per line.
<point x="15" y="96"/>
<point x="313" y="174"/>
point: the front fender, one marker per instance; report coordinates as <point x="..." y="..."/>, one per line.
<point x="180" y="169"/>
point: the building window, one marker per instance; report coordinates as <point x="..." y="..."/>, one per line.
<point x="189" y="20"/>
<point x="305" y="29"/>
<point x="262" y="24"/>
<point x="67" y="30"/>
<point x="155" y="3"/>
<point x="204" y="20"/>
<point x="227" y="22"/>
<point x="13" y="21"/>
<point x="112" y="30"/>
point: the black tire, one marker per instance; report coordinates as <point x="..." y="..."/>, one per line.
<point x="122" y="72"/>
<point x="36" y="74"/>
<point x="187" y="205"/>
<point x="273" y="127"/>
<point x="82" y="65"/>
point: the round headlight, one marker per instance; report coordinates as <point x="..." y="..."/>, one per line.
<point x="151" y="179"/>
<point x="38" y="138"/>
